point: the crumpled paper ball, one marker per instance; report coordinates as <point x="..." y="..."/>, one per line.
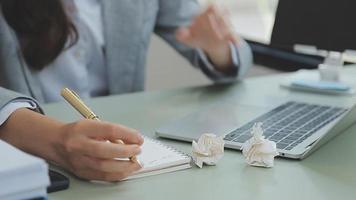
<point x="259" y="151"/>
<point x="209" y="150"/>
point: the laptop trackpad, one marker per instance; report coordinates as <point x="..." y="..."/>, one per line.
<point x="219" y="119"/>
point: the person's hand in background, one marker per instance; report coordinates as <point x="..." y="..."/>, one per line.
<point x="212" y="32"/>
<point x="79" y="147"/>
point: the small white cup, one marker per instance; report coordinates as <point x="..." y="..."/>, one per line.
<point x="329" y="73"/>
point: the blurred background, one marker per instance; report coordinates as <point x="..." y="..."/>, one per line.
<point x="253" y="19"/>
<point x="285" y="36"/>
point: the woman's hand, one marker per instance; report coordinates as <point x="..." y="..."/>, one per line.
<point x="212" y="32"/>
<point x="83" y="149"/>
<point x="79" y="147"/>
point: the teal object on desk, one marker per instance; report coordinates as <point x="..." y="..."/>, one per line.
<point x="322" y="85"/>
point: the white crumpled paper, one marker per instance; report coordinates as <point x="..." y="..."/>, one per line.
<point x="259" y="151"/>
<point x="208" y="150"/>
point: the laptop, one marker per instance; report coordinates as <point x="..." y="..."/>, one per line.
<point x="298" y="128"/>
<point x="325" y="24"/>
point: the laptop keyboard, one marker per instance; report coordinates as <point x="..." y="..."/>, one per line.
<point x="289" y="124"/>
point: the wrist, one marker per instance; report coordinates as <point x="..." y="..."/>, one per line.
<point x="220" y="57"/>
<point x="49" y="140"/>
<point x="60" y="145"/>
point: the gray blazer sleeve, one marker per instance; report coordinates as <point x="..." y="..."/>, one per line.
<point x="7" y="96"/>
<point x="176" y="13"/>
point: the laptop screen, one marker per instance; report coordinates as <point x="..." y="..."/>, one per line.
<point x="326" y="24"/>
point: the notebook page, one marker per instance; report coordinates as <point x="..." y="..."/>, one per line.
<point x="161" y="171"/>
<point x="156" y="156"/>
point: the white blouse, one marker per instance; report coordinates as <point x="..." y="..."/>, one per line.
<point x="82" y="66"/>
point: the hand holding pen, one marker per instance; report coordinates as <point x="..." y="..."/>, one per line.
<point x="73" y="99"/>
<point x="91" y="156"/>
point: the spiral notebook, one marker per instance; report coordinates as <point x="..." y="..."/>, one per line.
<point x="158" y="158"/>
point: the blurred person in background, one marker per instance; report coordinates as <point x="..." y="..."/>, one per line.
<point x="98" y="48"/>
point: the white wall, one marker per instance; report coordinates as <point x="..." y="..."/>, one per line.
<point x="167" y="69"/>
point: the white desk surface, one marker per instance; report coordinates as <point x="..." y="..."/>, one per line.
<point x="329" y="173"/>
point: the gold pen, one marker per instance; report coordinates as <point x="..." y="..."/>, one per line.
<point x="74" y="100"/>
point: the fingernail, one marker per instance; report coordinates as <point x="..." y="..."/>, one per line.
<point x="140" y="135"/>
<point x="141" y="139"/>
<point x="138" y="149"/>
<point x="140" y="163"/>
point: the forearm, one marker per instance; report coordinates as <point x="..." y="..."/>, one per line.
<point x="33" y="133"/>
<point x="78" y="147"/>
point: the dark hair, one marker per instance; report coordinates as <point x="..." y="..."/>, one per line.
<point x="43" y="29"/>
